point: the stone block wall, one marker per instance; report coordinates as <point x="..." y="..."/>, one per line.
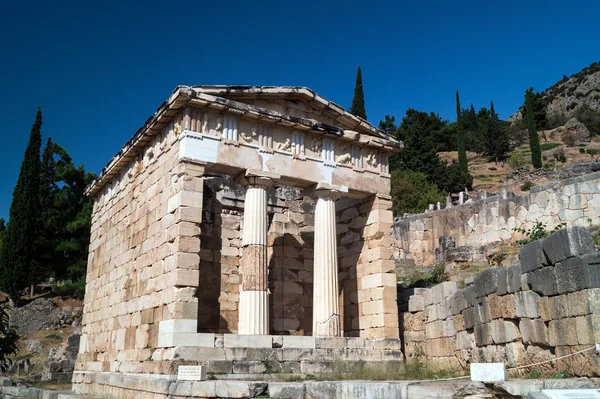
<point x="575" y="201"/>
<point x="143" y="261"/>
<point x="545" y="307"/>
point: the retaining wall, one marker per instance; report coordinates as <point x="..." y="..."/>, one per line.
<point x="575" y="201"/>
<point x="545" y="307"/>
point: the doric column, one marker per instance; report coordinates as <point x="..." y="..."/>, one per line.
<point x="326" y="306"/>
<point x="254" y="296"/>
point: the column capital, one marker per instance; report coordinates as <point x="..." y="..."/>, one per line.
<point x="256" y="178"/>
<point x="326" y="190"/>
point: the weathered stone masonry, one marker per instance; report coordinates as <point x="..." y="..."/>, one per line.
<point x="241" y="210"/>
<point x="575" y="201"/>
<point x="546" y="307"/>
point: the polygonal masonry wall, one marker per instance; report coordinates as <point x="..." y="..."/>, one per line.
<point x="162" y="235"/>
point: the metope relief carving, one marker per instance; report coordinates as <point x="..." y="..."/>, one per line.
<point x="248" y="138"/>
<point x="372" y="159"/>
<point x="285" y="146"/>
<point x="204" y="123"/>
<point x="315" y="145"/>
<point x="345" y="158"/>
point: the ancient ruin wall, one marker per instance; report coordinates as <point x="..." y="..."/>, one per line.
<point x="575" y="201"/>
<point x="128" y="266"/>
<point x="546" y="307"/>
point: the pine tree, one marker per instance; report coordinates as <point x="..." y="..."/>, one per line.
<point x="358" y="101"/>
<point x="17" y="261"/>
<point x="534" y="139"/>
<point x="497" y="143"/>
<point x="462" y="151"/>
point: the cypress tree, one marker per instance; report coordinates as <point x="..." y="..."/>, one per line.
<point x="358" y="101"/>
<point x="460" y="134"/>
<point x="534" y="139"/>
<point x="17" y="260"/>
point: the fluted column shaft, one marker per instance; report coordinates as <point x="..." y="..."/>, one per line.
<point x="326" y="306"/>
<point x="254" y="296"/>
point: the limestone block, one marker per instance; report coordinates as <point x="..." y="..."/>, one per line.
<point x="485" y="282"/>
<point x="577" y="304"/>
<point x="502" y="281"/>
<point x="571" y="275"/>
<point x="249" y="367"/>
<point x="534" y="331"/>
<point x="458" y="303"/>
<point x="469" y="294"/>
<point x="469" y="318"/>
<point x="414" y="336"/>
<point x="557" y="306"/>
<point x="482" y="311"/>
<point x="483" y="335"/>
<point x="235" y="389"/>
<point x="593" y="295"/>
<point x="465" y="340"/>
<point x="413" y="322"/>
<point x="543" y="281"/>
<point x="440" y="347"/>
<point x="437" y="294"/>
<point x="514" y="278"/>
<point x="585" y="331"/>
<point x="387" y="344"/>
<point x="566" y="243"/>
<point x="531" y="256"/>
<point x="458" y="322"/>
<point x="434" y="330"/>
<point x="290" y="341"/>
<point x="562" y="332"/>
<point x="329" y="342"/>
<point x="416" y="303"/>
<point x="527" y="304"/>
<point x="508" y="307"/>
<point x="247" y="341"/>
<point x="593" y="269"/>
<point x="494" y="304"/>
<point x="504" y="331"/>
<point x="286" y="390"/>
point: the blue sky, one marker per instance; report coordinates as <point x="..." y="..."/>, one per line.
<point x="100" y="69"/>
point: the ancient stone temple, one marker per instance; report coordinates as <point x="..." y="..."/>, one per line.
<point x="246" y="229"/>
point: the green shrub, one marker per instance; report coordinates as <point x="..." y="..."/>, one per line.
<point x="592" y="151"/>
<point x="582" y="150"/>
<point x="516" y="160"/>
<point x="538" y="231"/>
<point x="412" y="192"/>
<point x="526" y="186"/>
<point x="70" y="289"/>
<point x="549" y="146"/>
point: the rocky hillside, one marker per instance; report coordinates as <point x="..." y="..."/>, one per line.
<point x="579" y="92"/>
<point x="572" y="95"/>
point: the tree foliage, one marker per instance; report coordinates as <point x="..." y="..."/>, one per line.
<point x="461" y="146"/>
<point x="18" y="263"/>
<point x="534" y="140"/>
<point x="65" y="214"/>
<point x="49" y="226"/>
<point x="358" y="101"/>
<point x="536" y="106"/>
<point x="413" y="192"/>
<point x="421" y="133"/>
